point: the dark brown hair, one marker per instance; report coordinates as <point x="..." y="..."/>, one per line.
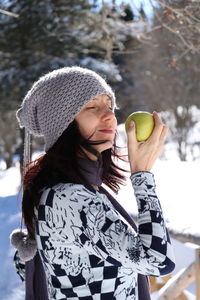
<point x="59" y="165"/>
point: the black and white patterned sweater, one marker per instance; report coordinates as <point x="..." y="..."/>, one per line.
<point x="90" y="252"/>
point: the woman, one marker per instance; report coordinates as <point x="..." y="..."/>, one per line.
<point x="86" y="242"/>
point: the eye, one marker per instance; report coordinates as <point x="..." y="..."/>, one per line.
<point x="91" y="107"/>
<point x="111" y="108"/>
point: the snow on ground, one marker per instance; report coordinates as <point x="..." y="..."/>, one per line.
<point x="9" y="220"/>
<point x="177" y="188"/>
<point x="9" y="181"/>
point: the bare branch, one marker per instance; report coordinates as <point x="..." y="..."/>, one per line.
<point x="8" y="13"/>
<point x="190" y="46"/>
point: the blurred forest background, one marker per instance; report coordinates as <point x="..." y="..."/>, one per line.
<point x="149" y="51"/>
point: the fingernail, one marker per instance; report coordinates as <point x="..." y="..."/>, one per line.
<point x="131" y="124"/>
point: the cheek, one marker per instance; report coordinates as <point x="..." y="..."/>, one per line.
<point x="87" y="125"/>
<point x="85" y="131"/>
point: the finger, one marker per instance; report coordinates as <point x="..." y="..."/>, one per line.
<point x="164" y="133"/>
<point x="158" y="126"/>
<point x="131" y="133"/>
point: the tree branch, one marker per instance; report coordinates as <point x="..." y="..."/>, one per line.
<point x="8" y="13"/>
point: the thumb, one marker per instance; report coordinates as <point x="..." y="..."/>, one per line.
<point x="131" y="134"/>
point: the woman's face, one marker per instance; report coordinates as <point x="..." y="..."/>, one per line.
<point x="97" y="120"/>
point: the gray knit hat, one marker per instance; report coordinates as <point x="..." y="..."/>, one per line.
<point x="56" y="98"/>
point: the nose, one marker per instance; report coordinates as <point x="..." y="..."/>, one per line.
<point x="108" y="114"/>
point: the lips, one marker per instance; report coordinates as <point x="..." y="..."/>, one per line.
<point x="107" y="130"/>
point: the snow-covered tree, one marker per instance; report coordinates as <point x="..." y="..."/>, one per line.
<point x="9" y="137"/>
<point x="49" y="34"/>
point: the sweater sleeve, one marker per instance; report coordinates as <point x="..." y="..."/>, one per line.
<point x="72" y="219"/>
<point x="152" y="230"/>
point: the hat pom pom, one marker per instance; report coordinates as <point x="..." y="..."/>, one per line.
<point x="27" y="249"/>
<point x="16" y="237"/>
<point x="25" y="245"/>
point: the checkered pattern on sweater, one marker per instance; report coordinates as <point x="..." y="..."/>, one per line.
<point x="89" y="250"/>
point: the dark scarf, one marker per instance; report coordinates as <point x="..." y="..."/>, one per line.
<point x="36" y="288"/>
<point x="91" y="169"/>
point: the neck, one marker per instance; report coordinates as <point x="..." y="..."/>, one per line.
<point x="88" y="154"/>
<point x="95" y="187"/>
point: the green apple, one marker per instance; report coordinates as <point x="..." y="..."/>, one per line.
<point x="144" y="122"/>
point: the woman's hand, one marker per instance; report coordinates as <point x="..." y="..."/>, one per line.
<point x="142" y="155"/>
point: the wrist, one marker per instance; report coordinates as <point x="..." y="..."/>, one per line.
<point x="135" y="170"/>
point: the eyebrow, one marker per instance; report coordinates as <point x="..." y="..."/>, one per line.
<point x="108" y="99"/>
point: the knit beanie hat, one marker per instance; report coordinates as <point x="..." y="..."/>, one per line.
<point x="56" y="98"/>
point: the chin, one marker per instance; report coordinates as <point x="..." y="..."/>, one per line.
<point x="106" y="147"/>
